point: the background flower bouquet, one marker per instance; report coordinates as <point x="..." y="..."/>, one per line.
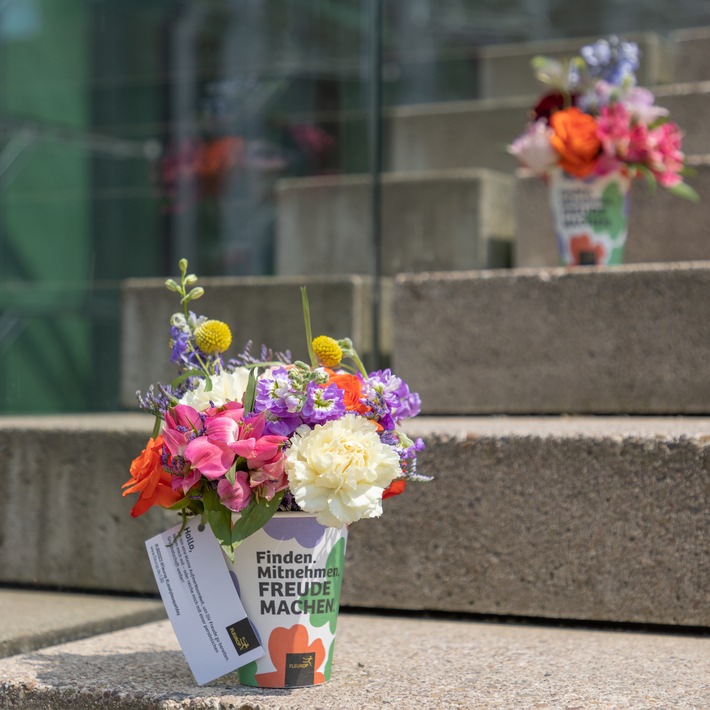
<point x="593" y="132"/>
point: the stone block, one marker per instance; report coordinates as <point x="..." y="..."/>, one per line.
<point x="593" y="518"/>
<point x="505" y="68"/>
<point x="662" y="227"/>
<point x="587" y="340"/>
<point x="476" y="133"/>
<point x="448" y="219"/>
<point x="691" y="54"/>
<point x="64" y="522"/>
<point x="265" y="309"/>
<point x="455" y="135"/>
<point x="35" y="619"/>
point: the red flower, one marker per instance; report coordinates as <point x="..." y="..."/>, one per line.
<point x="549" y="103"/>
<point x="394" y="488"/>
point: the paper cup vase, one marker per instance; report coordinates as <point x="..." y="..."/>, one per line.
<point x="289" y="575"/>
<point x="590" y="217"/>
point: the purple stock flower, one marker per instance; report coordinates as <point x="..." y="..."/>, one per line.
<point x="323" y="403"/>
<point x="401" y="403"/>
<point x="275" y="394"/>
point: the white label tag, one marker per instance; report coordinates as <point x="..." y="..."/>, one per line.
<point x="202" y="602"/>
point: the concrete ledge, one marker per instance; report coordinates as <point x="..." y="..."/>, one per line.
<point x="590" y="340"/>
<point x="380" y="661"/>
<point x="72" y="528"/>
<point x="662" y="227"/>
<point x="691" y="63"/>
<point x="577" y="518"/>
<point x="34" y="619"/>
<point x="475" y="133"/>
<point x="446" y="219"/>
<point x="583" y="518"/>
<point x="505" y="68"/>
<point x="265" y="309"/>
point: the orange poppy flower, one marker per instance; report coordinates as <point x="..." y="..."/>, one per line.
<point x="352" y="388"/>
<point x="576" y="140"/>
<point x="150" y="480"/>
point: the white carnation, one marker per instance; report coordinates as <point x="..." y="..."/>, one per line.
<point x="339" y="470"/>
<point x="226" y="387"/>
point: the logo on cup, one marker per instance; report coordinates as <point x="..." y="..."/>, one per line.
<point x="243" y="636"/>
<point x="300" y="668"/>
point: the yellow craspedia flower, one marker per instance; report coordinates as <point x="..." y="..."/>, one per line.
<point x="327" y="351"/>
<point x="213" y="336"/>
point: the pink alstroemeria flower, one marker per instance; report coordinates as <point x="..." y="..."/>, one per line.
<point x="210" y="454"/>
<point x="181" y="424"/>
<point x="235" y="497"/>
<point x="533" y="148"/>
<point x="613" y="130"/>
<point x="270" y="478"/>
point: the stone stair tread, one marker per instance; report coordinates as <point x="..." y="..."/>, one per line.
<point x="593" y="427"/>
<point x="34" y="619"/>
<point x="382" y="661"/>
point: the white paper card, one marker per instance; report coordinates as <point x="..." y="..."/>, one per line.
<point x="202" y="602"/>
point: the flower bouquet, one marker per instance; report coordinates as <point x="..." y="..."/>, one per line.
<point x="277" y="457"/>
<point x="589" y="136"/>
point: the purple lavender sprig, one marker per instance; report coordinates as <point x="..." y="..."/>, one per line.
<point x="266" y="355"/>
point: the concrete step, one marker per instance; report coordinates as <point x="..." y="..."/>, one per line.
<point x="662" y="227"/>
<point x="692" y="58"/>
<point x="593" y="518"/>
<point x="468" y="134"/>
<point x="587" y="340"/>
<point x="265" y="309"/>
<point x="33" y="619"/>
<point x="380" y="662"/>
<point x="434" y="220"/>
<point x="505" y="68"/>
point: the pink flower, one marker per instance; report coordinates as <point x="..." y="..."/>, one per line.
<point x="533" y="148"/>
<point x="235" y="497"/>
<point x="639" y="103"/>
<point x="181" y="423"/>
<point x="638" y="144"/>
<point x="613" y="129"/>
<point x="271" y="478"/>
<point x="665" y="157"/>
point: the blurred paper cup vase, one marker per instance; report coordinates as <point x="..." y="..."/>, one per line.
<point x="590" y="136"/>
<point x="590" y="217"/>
<point x="278" y="457"/>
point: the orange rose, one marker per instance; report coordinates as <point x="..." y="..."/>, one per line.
<point x="150" y="480"/>
<point x="576" y="140"/>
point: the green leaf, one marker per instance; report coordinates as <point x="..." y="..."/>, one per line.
<point x="307" y="324"/>
<point x="219" y="519"/>
<point x="254" y="517"/>
<point x="231" y="475"/>
<point x="684" y="191"/>
<point x="182" y="503"/>
<point x="250" y="393"/>
<point x="648" y="174"/>
<point x="185" y="375"/>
